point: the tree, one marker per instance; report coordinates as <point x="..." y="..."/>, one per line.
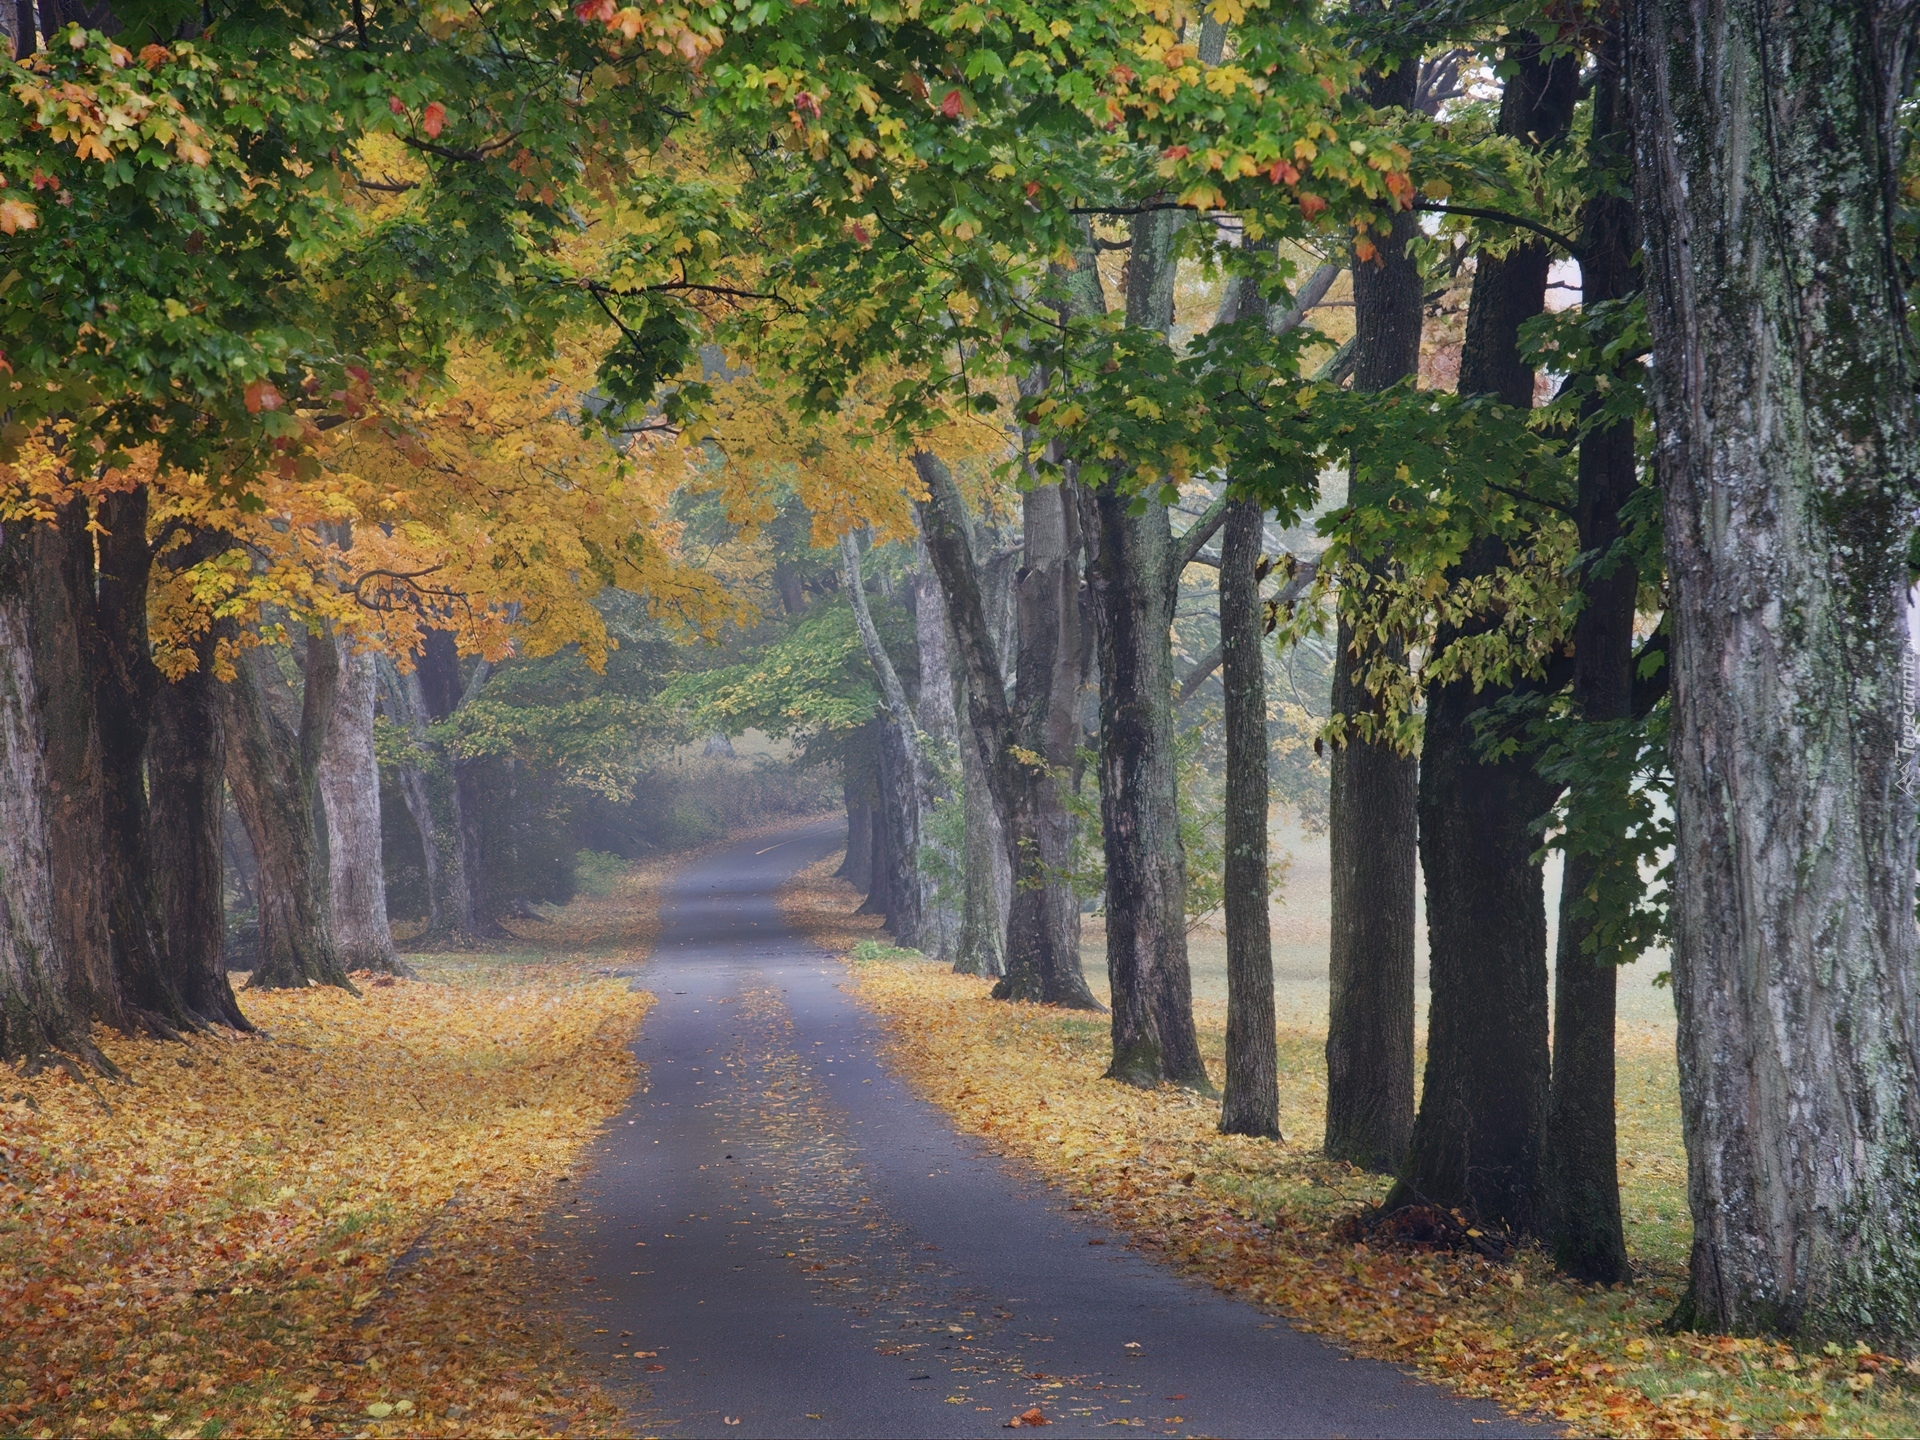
<point x="1251" y="1105"/>
<point x="1782" y="382"/>
<point x="1372" y="823"/>
<point x="1478" y="1134"/>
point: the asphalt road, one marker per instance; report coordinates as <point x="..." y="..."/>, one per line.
<point x="777" y="1239"/>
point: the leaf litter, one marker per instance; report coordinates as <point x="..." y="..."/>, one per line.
<point x="329" y="1228"/>
<point x="1283" y="1227"/>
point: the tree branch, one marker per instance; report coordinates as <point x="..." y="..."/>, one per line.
<point x="1500" y="217"/>
<point x="1190" y="544"/>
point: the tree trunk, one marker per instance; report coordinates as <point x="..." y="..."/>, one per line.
<point x="125" y="685"/>
<point x="938" y="742"/>
<point x="461" y="817"/>
<point x="36" y="1014"/>
<point x="1769" y="154"/>
<point x="1581" y="1164"/>
<point x="1251" y="1105"/>
<point x="1043" y="918"/>
<point x="349" y="780"/>
<point x="407" y="707"/>
<point x="186" y="773"/>
<point x="1132" y="575"/>
<point x="981" y="948"/>
<point x="66" y="654"/>
<point x="1478" y="1136"/>
<point x="905" y="783"/>
<point x="270" y="767"/>
<point x="1372" y="810"/>
<point x="856" y="868"/>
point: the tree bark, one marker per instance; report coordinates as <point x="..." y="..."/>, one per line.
<point x="471" y="916"/>
<point x="1372" y="800"/>
<point x="1478" y="1135"/>
<point x="125" y="686"/>
<point x="270" y="767"/>
<point x="903" y="782"/>
<point x="186" y="775"/>
<point x="36" y="1013"/>
<point x="981" y="948"/>
<point x="1581" y="1165"/>
<point x="1132" y="574"/>
<point x="66" y="652"/>
<point x="1768" y="157"/>
<point x="1251" y="1105"/>
<point x="349" y="781"/>
<point x="1043" y="919"/>
<point x="938" y="741"/>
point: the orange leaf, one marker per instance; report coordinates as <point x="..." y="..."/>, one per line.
<point x="433" y="118"/>
<point x="1311" y="205"/>
<point x="261" y="395"/>
<point x="16" y="215"/>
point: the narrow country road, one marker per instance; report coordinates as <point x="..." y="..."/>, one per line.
<point x="777" y="1239"/>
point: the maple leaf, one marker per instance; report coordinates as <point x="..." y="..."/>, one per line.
<point x="950" y="107"/>
<point x="433" y="119"/>
<point x="261" y="395"/>
<point x="17" y="215"/>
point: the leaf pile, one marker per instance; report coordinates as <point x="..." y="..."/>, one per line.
<point x="322" y="1230"/>
<point x="1261" y="1220"/>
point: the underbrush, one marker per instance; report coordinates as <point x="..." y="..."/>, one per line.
<point x="1274" y="1223"/>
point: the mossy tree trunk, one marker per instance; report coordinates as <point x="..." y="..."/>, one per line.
<point x="36" y="1010"/>
<point x="1768" y="146"/>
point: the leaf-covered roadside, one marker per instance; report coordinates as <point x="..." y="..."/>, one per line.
<point x="1260" y="1220"/>
<point x="327" y="1230"/>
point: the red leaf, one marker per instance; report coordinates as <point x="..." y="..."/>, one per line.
<point x="860" y="234"/>
<point x="433" y="118"/>
<point x="1033" y="188"/>
<point x="1282" y="170"/>
<point x="601" y="10"/>
<point x="1176" y="152"/>
<point x="261" y="395"/>
<point x="950" y="107"/>
<point x="397" y="105"/>
<point x="1311" y="205"/>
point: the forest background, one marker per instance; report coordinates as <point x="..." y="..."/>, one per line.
<point x="1073" y="429"/>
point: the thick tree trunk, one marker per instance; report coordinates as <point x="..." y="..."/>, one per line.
<point x="1132" y="573"/>
<point x="1581" y="1164"/>
<point x="1043" y="918"/>
<point x="66" y="654"/>
<point x="125" y="685"/>
<point x="1768" y="156"/>
<point x="270" y="767"/>
<point x="186" y="772"/>
<point x="1251" y="1105"/>
<point x="1152" y="988"/>
<point x="856" y="868"/>
<point x="1372" y="801"/>
<point x="349" y="780"/>
<point x="36" y="1014"/>
<point x="1478" y="1136"/>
